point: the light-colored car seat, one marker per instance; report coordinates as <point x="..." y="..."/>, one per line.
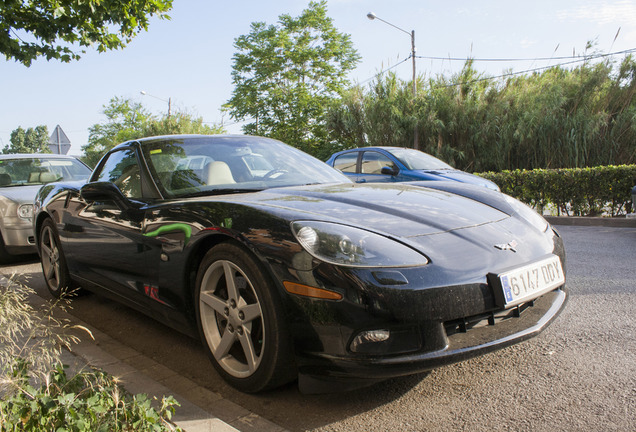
<point x="219" y="173"/>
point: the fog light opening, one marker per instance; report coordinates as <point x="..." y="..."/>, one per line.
<point x="387" y="342"/>
<point x="363" y="340"/>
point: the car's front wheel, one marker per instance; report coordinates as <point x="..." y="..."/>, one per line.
<point x="53" y="262"/>
<point x="239" y="317"/>
<point x="4" y="255"/>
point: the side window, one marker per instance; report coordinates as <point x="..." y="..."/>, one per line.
<point x="373" y="162"/>
<point x="346" y="162"/>
<point x="122" y="168"/>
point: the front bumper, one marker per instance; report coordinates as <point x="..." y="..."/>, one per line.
<point x="400" y="321"/>
<point x="18" y="237"/>
<point x="472" y="337"/>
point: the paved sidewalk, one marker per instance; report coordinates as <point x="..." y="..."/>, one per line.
<point x="201" y="410"/>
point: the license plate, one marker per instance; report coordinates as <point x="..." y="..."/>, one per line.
<point x="530" y="281"/>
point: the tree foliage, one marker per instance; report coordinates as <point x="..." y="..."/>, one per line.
<point x="555" y="119"/>
<point x="32" y="140"/>
<point x="126" y="120"/>
<point x="286" y="75"/>
<point x="51" y="28"/>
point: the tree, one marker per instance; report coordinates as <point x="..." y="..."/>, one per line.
<point x="180" y="123"/>
<point x="51" y="28"/>
<point x="29" y="141"/>
<point x="382" y="115"/>
<point x="286" y="76"/>
<point x="556" y="118"/>
<point x="126" y="120"/>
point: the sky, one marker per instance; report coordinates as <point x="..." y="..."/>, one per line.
<point x="188" y="59"/>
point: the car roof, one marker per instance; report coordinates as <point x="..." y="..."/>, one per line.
<point x="385" y="148"/>
<point x="186" y="136"/>
<point x="35" y="156"/>
<point x="191" y="136"/>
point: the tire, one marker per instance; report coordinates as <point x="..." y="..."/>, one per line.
<point x="238" y="314"/>
<point x="54" y="266"/>
<point x="5" y="257"/>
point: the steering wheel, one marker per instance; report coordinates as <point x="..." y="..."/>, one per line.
<point x="274" y="173"/>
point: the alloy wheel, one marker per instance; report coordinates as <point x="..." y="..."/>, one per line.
<point x="232" y="319"/>
<point x="51" y="264"/>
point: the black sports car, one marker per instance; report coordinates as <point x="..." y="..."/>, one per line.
<point x="286" y="269"/>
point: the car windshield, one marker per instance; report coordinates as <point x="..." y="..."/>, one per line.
<point x="189" y="166"/>
<point x="26" y="171"/>
<point x="417" y="160"/>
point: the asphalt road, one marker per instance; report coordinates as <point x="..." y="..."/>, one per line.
<point x="578" y="375"/>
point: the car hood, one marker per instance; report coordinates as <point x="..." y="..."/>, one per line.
<point x="396" y="209"/>
<point x="460" y="176"/>
<point x="20" y="194"/>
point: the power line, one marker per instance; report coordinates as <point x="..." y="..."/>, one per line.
<point x="509" y="74"/>
<point x="575" y="59"/>
<point x="503" y="60"/>
<point x="385" y="71"/>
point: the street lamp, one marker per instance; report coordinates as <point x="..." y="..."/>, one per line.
<point x="156" y="97"/>
<point x="372" y="17"/>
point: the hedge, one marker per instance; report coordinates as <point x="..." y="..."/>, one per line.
<point x="603" y="190"/>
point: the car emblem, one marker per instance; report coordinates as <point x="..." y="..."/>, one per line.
<point x="508" y="246"/>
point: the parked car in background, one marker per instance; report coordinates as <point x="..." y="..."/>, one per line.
<point x="21" y="175"/>
<point x="397" y="164"/>
<point x="286" y="269"/>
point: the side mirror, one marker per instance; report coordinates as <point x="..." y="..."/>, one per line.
<point x="389" y="171"/>
<point x="105" y="191"/>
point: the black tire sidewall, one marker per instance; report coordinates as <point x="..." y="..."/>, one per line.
<point x="4" y="255"/>
<point x="65" y="279"/>
<point x="274" y="367"/>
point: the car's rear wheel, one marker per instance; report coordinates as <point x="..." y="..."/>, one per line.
<point x="239" y="317"/>
<point x="53" y="262"/>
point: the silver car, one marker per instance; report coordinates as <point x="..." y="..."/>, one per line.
<point x="21" y="176"/>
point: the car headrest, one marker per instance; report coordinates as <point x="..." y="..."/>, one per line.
<point x="219" y="173"/>
<point x="5" y="179"/>
<point x="48" y="177"/>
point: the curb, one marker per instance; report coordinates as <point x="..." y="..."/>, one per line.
<point x="617" y="222"/>
<point x="201" y="410"/>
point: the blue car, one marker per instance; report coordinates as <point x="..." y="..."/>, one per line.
<point x="396" y="164"/>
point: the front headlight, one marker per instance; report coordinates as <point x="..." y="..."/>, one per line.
<point x="25" y="211"/>
<point x="534" y="218"/>
<point x="353" y="247"/>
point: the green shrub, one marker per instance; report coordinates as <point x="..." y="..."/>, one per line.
<point x="87" y="402"/>
<point x="37" y="395"/>
<point x="572" y="191"/>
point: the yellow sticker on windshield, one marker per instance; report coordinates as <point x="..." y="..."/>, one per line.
<point x="156" y="151"/>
